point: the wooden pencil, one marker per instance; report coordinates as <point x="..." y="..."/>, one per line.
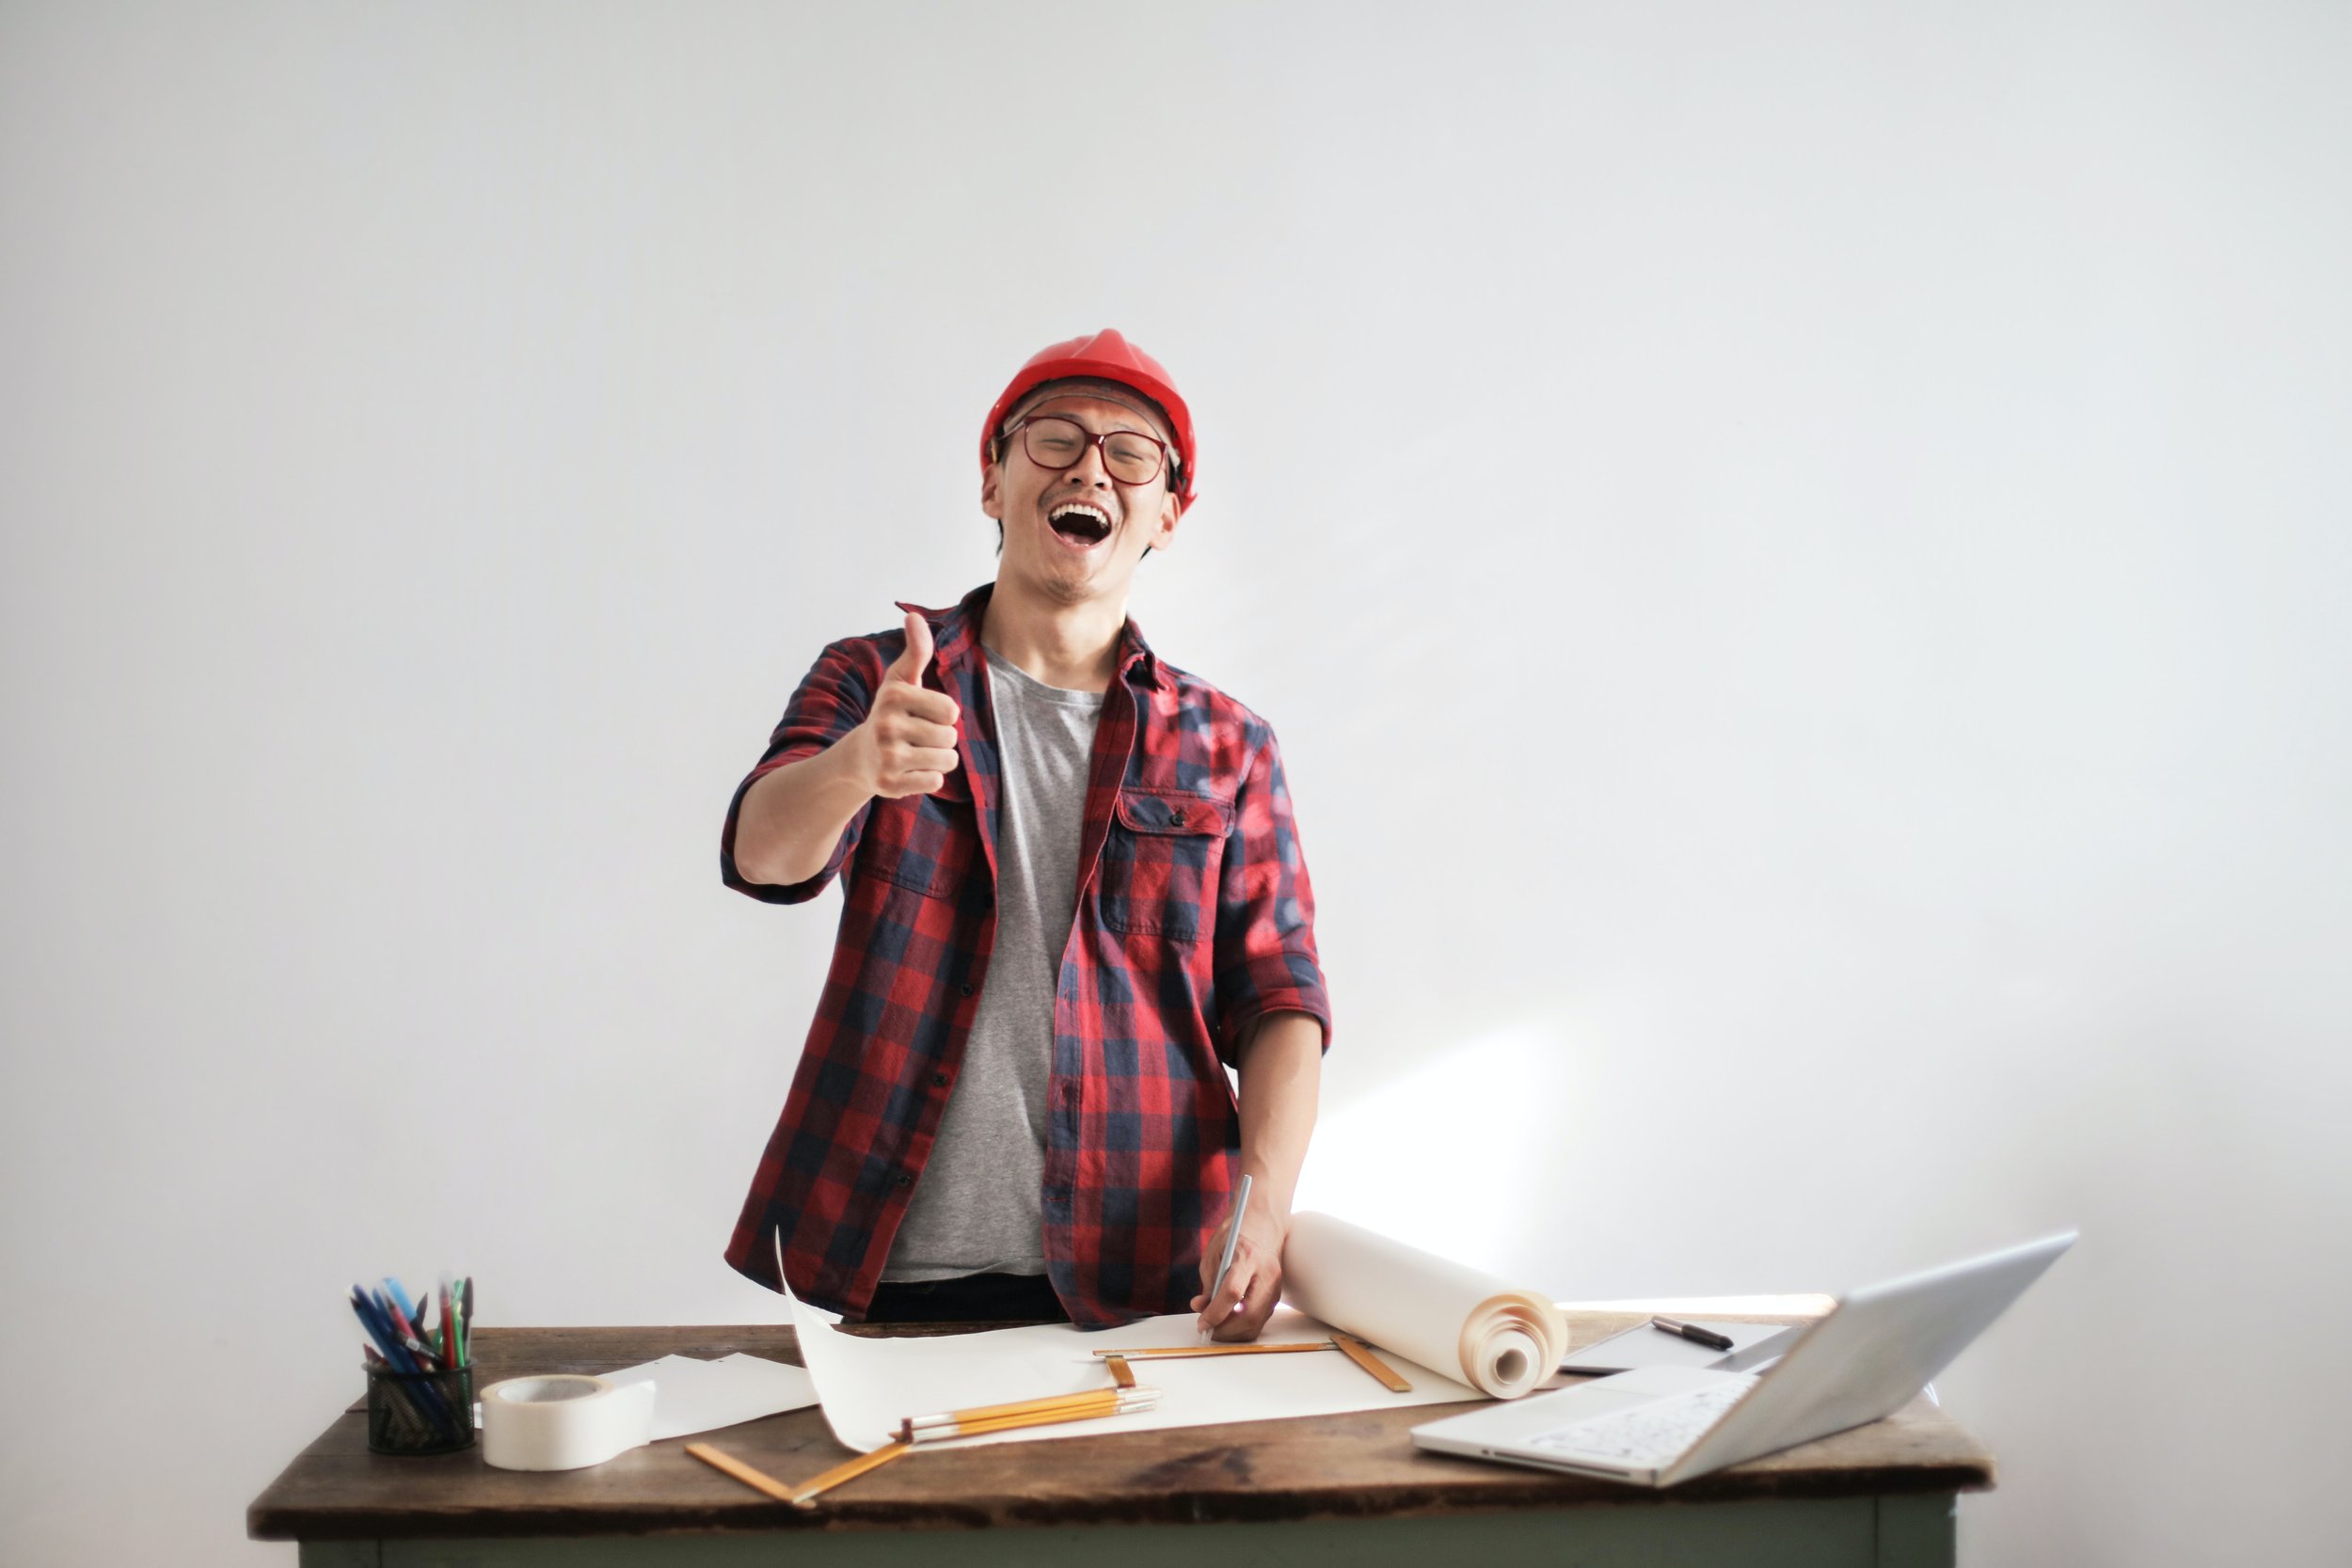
<point x="1114" y="1402"/>
<point x="758" y="1480"/>
<point x="1017" y="1407"/>
<point x="805" y="1495"/>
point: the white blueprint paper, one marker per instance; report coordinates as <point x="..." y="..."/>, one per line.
<point x="1413" y="1307"/>
<point x="698" y="1396"/>
<point x="869" y="1385"/>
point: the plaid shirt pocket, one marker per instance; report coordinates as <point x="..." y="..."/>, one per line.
<point x="923" y="842"/>
<point x="1159" y="865"/>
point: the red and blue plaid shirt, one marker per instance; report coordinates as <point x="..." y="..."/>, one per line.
<point x="1195" y="920"/>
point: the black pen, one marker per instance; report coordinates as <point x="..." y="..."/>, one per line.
<point x="1693" y="1332"/>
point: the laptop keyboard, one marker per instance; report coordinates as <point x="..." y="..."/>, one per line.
<point x="1647" y="1434"/>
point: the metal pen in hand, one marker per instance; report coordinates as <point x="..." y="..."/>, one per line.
<point x="1232" y="1235"/>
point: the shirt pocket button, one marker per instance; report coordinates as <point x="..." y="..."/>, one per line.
<point x="1158" y="874"/>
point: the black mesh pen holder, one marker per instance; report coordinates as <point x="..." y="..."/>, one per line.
<point x="420" y="1411"/>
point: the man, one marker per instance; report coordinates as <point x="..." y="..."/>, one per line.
<point x="1074" y="895"/>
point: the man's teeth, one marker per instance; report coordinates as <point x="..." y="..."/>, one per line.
<point x="1091" y="521"/>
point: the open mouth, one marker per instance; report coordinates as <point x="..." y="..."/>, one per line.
<point x="1080" y="524"/>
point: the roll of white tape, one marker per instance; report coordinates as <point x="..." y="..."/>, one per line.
<point x="563" y="1421"/>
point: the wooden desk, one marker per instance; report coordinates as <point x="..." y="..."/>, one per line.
<point x="1347" y="1490"/>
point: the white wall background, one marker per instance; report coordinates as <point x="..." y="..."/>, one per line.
<point x="1797" y="554"/>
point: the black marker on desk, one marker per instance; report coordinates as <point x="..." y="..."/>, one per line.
<point x="1692" y="1332"/>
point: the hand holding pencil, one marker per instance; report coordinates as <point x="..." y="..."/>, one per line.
<point x="1241" y="1271"/>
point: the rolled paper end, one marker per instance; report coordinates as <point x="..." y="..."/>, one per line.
<point x="1514" y="1364"/>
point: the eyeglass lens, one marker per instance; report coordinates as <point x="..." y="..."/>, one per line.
<point x="1056" y="443"/>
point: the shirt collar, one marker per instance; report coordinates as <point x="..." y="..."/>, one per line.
<point x="955" y="636"/>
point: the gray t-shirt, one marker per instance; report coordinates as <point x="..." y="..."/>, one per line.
<point x="978" y="1208"/>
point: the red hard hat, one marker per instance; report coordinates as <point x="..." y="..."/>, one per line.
<point x="1106" y="357"/>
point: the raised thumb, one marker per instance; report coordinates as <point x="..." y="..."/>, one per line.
<point x="910" y="665"/>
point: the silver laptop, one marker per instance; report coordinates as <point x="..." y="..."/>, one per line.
<point x="1655" y="1426"/>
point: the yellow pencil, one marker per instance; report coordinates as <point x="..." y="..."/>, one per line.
<point x="760" y="1481"/>
<point x="1017" y="1407"/>
<point x="1111" y="1402"/>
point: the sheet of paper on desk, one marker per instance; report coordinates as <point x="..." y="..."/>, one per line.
<point x="698" y="1396"/>
<point x="870" y="1385"/>
<point x="1644" y="1346"/>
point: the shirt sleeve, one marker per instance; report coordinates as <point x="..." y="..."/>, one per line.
<point x="1265" y="912"/>
<point x="833" y="698"/>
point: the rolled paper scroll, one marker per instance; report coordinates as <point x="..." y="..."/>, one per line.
<point x="1499" y="1337"/>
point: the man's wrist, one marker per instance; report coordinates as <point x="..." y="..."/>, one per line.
<point x="1268" y="1190"/>
<point x="793" y="817"/>
<point x="848" y="781"/>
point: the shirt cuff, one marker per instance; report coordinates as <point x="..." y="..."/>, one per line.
<point x="774" y="893"/>
<point x="1238" y="1024"/>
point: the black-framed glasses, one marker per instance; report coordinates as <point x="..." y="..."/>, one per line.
<point x="1129" y="456"/>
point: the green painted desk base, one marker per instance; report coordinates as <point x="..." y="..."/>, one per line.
<point x="1845" y="1533"/>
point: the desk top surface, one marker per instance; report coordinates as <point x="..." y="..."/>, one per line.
<point x="1361" y="1465"/>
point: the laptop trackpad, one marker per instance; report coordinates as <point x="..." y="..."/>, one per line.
<point x="1650" y="1383"/>
<point x="1603" y="1396"/>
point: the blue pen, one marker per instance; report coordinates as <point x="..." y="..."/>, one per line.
<point x="400" y="1298"/>
<point x="417" y="1358"/>
<point x="396" y="1357"/>
<point x="381" y="1332"/>
<point x="379" y="1327"/>
<point x="391" y="1295"/>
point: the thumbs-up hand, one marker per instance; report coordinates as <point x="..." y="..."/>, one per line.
<point x="908" y="740"/>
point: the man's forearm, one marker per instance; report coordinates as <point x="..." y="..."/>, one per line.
<point x="792" y="819"/>
<point x="1281" y="1071"/>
